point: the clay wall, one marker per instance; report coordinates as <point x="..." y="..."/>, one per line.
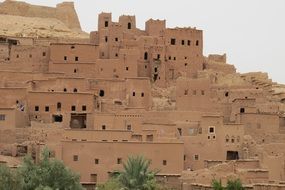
<point x="155" y="27"/>
<point x="13" y="98"/>
<point x="168" y="162"/>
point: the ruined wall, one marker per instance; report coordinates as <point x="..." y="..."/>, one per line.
<point x="64" y="12"/>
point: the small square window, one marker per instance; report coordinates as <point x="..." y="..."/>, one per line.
<point x="182" y="42"/>
<point x="17" y="56"/>
<point x="65" y="58"/>
<point x="37" y="108"/>
<point x="116" y="39"/>
<point x="106" y="23"/>
<point x="2" y="117"/>
<point x="188" y="42"/>
<point x="127" y="68"/>
<point x="44" y="54"/>
<point x="196" y="157"/>
<point x="75" y="158"/>
<point x="73" y="108"/>
<point x="119" y="160"/>
<point x="103" y="127"/>
<point x="76" y="58"/>
<point x="197" y="42"/>
<point x="134" y="93"/>
<point x="142" y="94"/>
<point x="116" y="55"/>
<point x="106" y="38"/>
<point x="96" y="161"/>
<point x="172" y="41"/>
<point x="169" y="57"/>
<point x="84" y="108"/>
<point x="202" y="92"/>
<point x="129" y="127"/>
<point x="164" y="162"/>
<point x="47" y="108"/>
<point x="211" y="130"/>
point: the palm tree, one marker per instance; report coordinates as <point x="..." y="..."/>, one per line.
<point x="234" y="185"/>
<point x="136" y="174"/>
<point x="217" y="185"/>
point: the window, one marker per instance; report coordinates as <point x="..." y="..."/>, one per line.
<point x="227" y="139"/>
<point x="185" y="92"/>
<point x="197" y="42"/>
<point x="119" y="160"/>
<point x="211" y="130"/>
<point x="76" y="58"/>
<point x="58" y="106"/>
<point x="226" y="94"/>
<point x="242" y="110"/>
<point x="142" y="94"/>
<point x="37" y="108"/>
<point x="145" y="66"/>
<point x="127" y="68"/>
<point x="75" y="70"/>
<point x="196" y="157"/>
<point x="47" y="108"/>
<point x="186" y="64"/>
<point x="182" y="42"/>
<point x="17" y="56"/>
<point x="65" y="58"/>
<point x="84" y="108"/>
<point x="116" y="39"/>
<point x="75" y="158"/>
<point x="129" y="127"/>
<point x="75" y="90"/>
<point x="73" y="108"/>
<point x="129" y="25"/>
<point x="174" y="58"/>
<point x="44" y="54"/>
<point x="202" y="92"/>
<point x="134" y="93"/>
<point x="172" y="41"/>
<point x="116" y="55"/>
<point x="158" y="56"/>
<point x="164" y="162"/>
<point x="103" y="127"/>
<point x="233" y="140"/>
<point x="2" y="117"/>
<point x="188" y="42"/>
<point x="72" y="47"/>
<point x="96" y="161"/>
<point x="106" y="38"/>
<point x="155" y="69"/>
<point x="101" y="93"/>
<point x="145" y="56"/>
<point x="106" y="23"/>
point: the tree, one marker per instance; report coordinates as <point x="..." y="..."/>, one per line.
<point x="234" y="185"/>
<point x="136" y="175"/>
<point x="48" y="174"/>
<point x="9" y="179"/>
<point x="217" y="185"/>
<point x="112" y="184"/>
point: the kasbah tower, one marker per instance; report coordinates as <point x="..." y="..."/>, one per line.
<point x="96" y="99"/>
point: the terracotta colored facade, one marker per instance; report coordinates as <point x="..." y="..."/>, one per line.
<point x="139" y="92"/>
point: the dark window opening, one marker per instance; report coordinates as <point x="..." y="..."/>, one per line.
<point x="64" y="90"/>
<point x="106" y="23"/>
<point x="169" y="57"/>
<point x="155" y="69"/>
<point x="145" y="66"/>
<point x="73" y="108"/>
<point x="188" y="42"/>
<point x="164" y="162"/>
<point x="174" y="58"/>
<point x="127" y="68"/>
<point x="65" y="58"/>
<point x="226" y="94"/>
<point x="211" y="130"/>
<point x="96" y="161"/>
<point x="142" y="94"/>
<point x="242" y="110"/>
<point x="58" y="106"/>
<point x="186" y="64"/>
<point x="179" y="131"/>
<point x="103" y="127"/>
<point x="75" y="157"/>
<point x="17" y="56"/>
<point x="196" y="157"/>
<point x="185" y="92"/>
<point x="197" y="42"/>
<point x="84" y="108"/>
<point x="106" y="38"/>
<point x="2" y="117"/>
<point x="101" y="93"/>
<point x="57" y="118"/>
<point x="44" y="54"/>
<point x="155" y="77"/>
<point x="172" y="41"/>
<point x="145" y="56"/>
<point x="232" y="155"/>
<point x="116" y="39"/>
<point x="129" y="127"/>
<point x="78" y="121"/>
<point x="47" y="109"/>
<point x="116" y="55"/>
<point x="182" y="42"/>
<point x="75" y="70"/>
<point x="158" y="56"/>
<point x="75" y="90"/>
<point x="134" y="93"/>
<point x="202" y="92"/>
<point x="129" y="25"/>
<point x="76" y="58"/>
<point x="119" y="160"/>
<point x="37" y="108"/>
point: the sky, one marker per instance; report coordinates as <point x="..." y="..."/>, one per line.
<point x="250" y="32"/>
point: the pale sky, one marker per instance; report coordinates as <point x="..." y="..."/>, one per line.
<point x="251" y="32"/>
